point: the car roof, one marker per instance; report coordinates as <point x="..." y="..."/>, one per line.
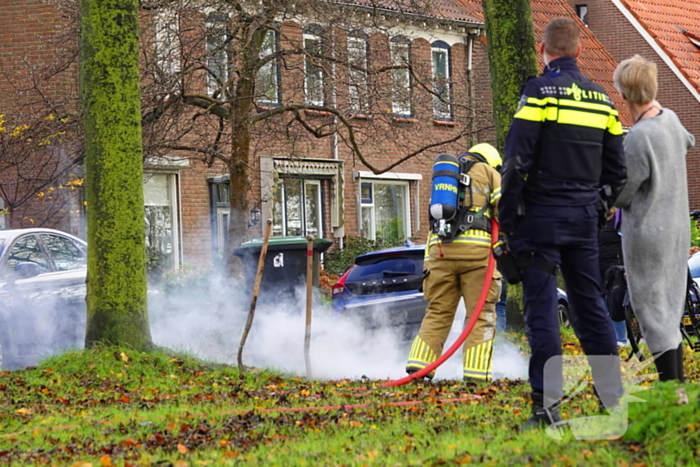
<point x="392" y="251"/>
<point x="11" y="234"/>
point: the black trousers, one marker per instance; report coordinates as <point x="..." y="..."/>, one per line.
<point x="566" y="237"/>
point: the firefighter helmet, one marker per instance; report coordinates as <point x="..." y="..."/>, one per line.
<point x="488" y="152"/>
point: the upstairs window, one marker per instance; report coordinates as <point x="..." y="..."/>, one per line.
<point x="314" y="74"/>
<point x="268" y="75"/>
<point x="441" y="80"/>
<point x="166" y="45"/>
<point x="582" y="12"/>
<point x="358" y="62"/>
<point x="400" y="49"/>
<point x="217" y="53"/>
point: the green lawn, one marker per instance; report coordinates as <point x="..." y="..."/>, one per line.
<point x="112" y="407"/>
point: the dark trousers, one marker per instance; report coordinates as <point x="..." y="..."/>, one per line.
<point x="566" y="237"/>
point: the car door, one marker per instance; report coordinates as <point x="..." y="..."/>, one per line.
<point x="68" y="279"/>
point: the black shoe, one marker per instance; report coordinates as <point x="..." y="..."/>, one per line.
<point x="541" y="417"/>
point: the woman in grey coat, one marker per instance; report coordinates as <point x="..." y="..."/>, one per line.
<point x="656" y="227"/>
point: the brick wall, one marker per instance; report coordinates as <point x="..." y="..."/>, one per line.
<point x="622" y="40"/>
<point x="28" y="26"/>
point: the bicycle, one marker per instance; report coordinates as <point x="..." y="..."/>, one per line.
<point x="690" y="321"/>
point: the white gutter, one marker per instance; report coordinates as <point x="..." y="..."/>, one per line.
<point x="657" y="48"/>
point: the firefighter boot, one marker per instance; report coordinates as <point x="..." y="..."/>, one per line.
<point x="541" y="417"/>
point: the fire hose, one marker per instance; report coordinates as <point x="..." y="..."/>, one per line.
<point x="470" y="323"/>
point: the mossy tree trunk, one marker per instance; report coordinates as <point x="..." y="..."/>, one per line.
<point x="512" y="57"/>
<point x="109" y="79"/>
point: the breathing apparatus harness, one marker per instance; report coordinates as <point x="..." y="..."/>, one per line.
<point x="463" y="218"/>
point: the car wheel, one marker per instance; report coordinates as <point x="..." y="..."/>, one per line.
<point x="563" y="312"/>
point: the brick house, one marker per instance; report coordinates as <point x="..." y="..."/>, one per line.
<point x="668" y="33"/>
<point x="309" y="186"/>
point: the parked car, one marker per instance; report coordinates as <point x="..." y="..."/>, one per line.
<point x="382" y="289"/>
<point x="42" y="294"/>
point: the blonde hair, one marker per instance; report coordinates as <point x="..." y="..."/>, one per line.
<point x="635" y="79"/>
<point x="561" y="37"/>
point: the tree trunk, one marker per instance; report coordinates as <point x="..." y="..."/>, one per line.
<point x="239" y="163"/>
<point x="109" y="79"/>
<point x="512" y="57"/>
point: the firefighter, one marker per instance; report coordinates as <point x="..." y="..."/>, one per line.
<point x="563" y="163"/>
<point x="455" y="268"/>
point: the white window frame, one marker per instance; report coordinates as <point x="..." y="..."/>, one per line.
<point x="373" y="218"/>
<point x="321" y="77"/>
<point x="399" y="106"/>
<point x="215" y="62"/>
<point x="358" y="80"/>
<point x="441" y="114"/>
<point x="283" y="204"/>
<point x="174" y="195"/>
<point x="273" y="68"/>
<point x="166" y="42"/>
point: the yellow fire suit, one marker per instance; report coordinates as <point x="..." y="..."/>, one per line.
<point x="457" y="270"/>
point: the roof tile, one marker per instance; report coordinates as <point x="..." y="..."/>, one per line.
<point x="662" y="19"/>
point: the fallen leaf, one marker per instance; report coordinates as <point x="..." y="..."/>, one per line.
<point x="125" y="357"/>
<point x="106" y="461"/>
<point x="182" y="449"/>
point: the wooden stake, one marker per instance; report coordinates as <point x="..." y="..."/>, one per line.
<point x="309" y="297"/>
<point x="254" y="298"/>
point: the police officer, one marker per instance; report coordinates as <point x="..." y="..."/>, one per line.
<point x="564" y="145"/>
<point x="456" y="269"/>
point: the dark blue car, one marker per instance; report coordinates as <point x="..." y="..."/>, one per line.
<point x="382" y="289"/>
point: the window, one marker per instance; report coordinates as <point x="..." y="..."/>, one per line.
<point x="217" y="53"/>
<point x="66" y="256"/>
<point x="582" y="12"/>
<point x="268" y="75"/>
<point x="358" y="79"/>
<point x="400" y="49"/>
<point x="384" y="210"/>
<point x="28" y="250"/>
<point x="220" y="193"/>
<point x="166" y="44"/>
<point x="441" y="80"/>
<point x="314" y="75"/>
<point x="162" y="223"/>
<point x="3" y="212"/>
<point x="297" y="208"/>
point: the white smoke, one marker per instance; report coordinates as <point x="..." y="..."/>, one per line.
<point x="209" y="324"/>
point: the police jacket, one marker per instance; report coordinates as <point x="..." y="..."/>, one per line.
<point x="564" y="143"/>
<point x="473" y="244"/>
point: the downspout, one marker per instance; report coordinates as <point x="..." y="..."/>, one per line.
<point x="470" y="90"/>
<point x="334" y="149"/>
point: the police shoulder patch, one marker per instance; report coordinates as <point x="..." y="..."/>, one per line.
<point x="521" y="104"/>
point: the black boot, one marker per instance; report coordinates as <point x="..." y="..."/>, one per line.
<point x="541" y="417"/>
<point x="667" y="365"/>
<point x="679" y="362"/>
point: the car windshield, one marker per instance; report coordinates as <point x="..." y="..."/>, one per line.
<point x="385" y="267"/>
<point x="694" y="265"/>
